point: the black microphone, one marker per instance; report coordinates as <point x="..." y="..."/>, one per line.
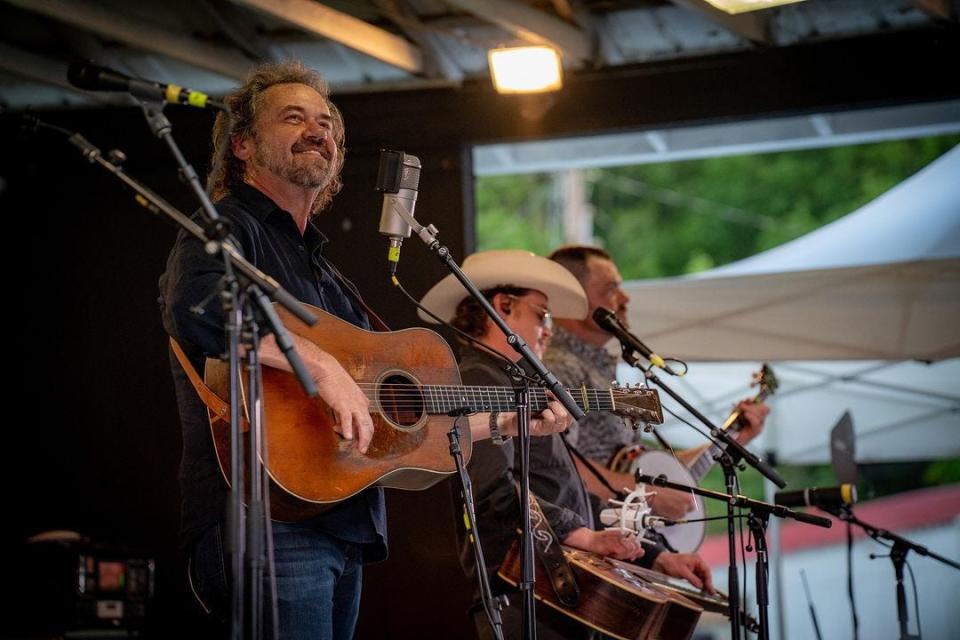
<point x="842" y="495"/>
<point x="398" y="178"/>
<point x="609" y="322"/>
<point x="92" y="77"/>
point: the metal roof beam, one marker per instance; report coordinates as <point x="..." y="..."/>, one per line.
<point x="340" y="27"/>
<point x="437" y="61"/>
<point x="753" y="26"/>
<point x="141" y="35"/>
<point x="47" y="71"/>
<point x="532" y="25"/>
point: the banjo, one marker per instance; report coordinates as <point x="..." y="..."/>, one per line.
<point x="689" y="537"/>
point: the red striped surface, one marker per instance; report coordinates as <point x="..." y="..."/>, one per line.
<point x="898" y="513"/>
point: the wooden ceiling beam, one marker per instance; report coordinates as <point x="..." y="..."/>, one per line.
<point x="142" y="35"/>
<point x="938" y="9"/>
<point x="354" y="33"/>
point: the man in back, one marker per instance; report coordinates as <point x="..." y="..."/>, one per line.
<point x="577" y="356"/>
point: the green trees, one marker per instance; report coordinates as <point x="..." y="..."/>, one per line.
<point x="680" y="217"/>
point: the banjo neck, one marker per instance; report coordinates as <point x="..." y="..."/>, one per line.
<point x="705" y="461"/>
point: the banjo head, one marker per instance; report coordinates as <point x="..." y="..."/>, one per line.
<point x="685" y="538"/>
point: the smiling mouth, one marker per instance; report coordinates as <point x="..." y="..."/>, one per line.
<point x="314" y="151"/>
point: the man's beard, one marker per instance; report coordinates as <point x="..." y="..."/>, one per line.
<point x="306" y="171"/>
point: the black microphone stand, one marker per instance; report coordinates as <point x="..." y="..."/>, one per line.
<point x="729" y="460"/>
<point x="428" y="234"/>
<point x="898" y="556"/>
<point x="260" y="289"/>
<point x="759" y="513"/>
<point x="491" y="605"/>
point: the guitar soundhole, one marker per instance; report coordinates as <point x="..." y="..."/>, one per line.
<point x="400" y="401"/>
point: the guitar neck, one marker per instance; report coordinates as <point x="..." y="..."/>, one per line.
<point x="444" y="399"/>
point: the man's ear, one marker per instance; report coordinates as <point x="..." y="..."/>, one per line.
<point x="502" y="304"/>
<point x="241" y="147"/>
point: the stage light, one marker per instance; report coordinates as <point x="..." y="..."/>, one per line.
<point x="530" y="69"/>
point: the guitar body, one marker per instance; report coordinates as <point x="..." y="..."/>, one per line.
<point x="616" y="602"/>
<point x="685" y="538"/>
<point x="310" y="466"/>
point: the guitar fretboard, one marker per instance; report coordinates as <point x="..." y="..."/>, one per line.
<point x="441" y="399"/>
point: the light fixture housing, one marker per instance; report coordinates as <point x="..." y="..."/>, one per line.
<point x="526" y="69"/>
<point x="742" y="6"/>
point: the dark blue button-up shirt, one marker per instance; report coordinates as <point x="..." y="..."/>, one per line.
<point x="269" y="238"/>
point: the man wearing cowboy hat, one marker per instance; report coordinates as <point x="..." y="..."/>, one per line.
<point x="527" y="291"/>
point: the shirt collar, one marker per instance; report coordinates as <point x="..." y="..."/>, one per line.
<point x="563" y="339"/>
<point x="262" y="207"/>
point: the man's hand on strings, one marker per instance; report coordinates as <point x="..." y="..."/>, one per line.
<point x="617" y="544"/>
<point x="753" y="416"/>
<point x="688" y="566"/>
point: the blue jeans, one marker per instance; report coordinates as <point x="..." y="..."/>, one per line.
<point x="318" y="581"/>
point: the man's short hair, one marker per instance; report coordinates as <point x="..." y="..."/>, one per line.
<point x="575" y="256"/>
<point x="244" y="103"/>
<point x="471" y="317"/>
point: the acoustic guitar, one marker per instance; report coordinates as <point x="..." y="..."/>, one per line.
<point x="618" y="603"/>
<point x="688" y="537"/>
<point x="624" y="600"/>
<point x="412" y="382"/>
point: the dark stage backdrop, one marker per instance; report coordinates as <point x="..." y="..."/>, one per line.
<point x="95" y="446"/>
<point x="99" y="446"/>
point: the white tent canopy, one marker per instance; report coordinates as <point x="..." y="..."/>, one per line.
<point x="856" y="301"/>
<point x="881" y="283"/>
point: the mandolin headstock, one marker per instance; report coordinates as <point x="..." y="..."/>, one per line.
<point x="638" y="403"/>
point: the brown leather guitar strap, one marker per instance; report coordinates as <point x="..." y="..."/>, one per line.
<point x="547" y="547"/>
<point x="217" y="405"/>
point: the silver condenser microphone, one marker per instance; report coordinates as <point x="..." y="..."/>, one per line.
<point x="398" y="178"/>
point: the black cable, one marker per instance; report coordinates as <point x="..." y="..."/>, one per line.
<point x="670" y="370"/>
<point x="515" y="369"/>
<point x="743" y="555"/>
<point x="916" y="598"/>
<point x="853" y="601"/>
<point x="695" y="428"/>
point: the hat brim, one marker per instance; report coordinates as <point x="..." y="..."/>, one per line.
<point x="514" y="268"/>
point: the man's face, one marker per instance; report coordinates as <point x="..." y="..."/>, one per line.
<point x="529" y="317"/>
<point x="292" y="138"/>
<point x="604" y="290"/>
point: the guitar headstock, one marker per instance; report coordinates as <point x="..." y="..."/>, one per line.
<point x="765" y="381"/>
<point x="637" y="403"/>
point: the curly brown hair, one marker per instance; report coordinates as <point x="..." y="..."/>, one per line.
<point x="244" y="104"/>
<point x="471" y="318"/>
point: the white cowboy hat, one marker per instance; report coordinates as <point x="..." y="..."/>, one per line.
<point x="515" y="268"/>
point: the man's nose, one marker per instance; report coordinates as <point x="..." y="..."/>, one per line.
<point x="317" y="132"/>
